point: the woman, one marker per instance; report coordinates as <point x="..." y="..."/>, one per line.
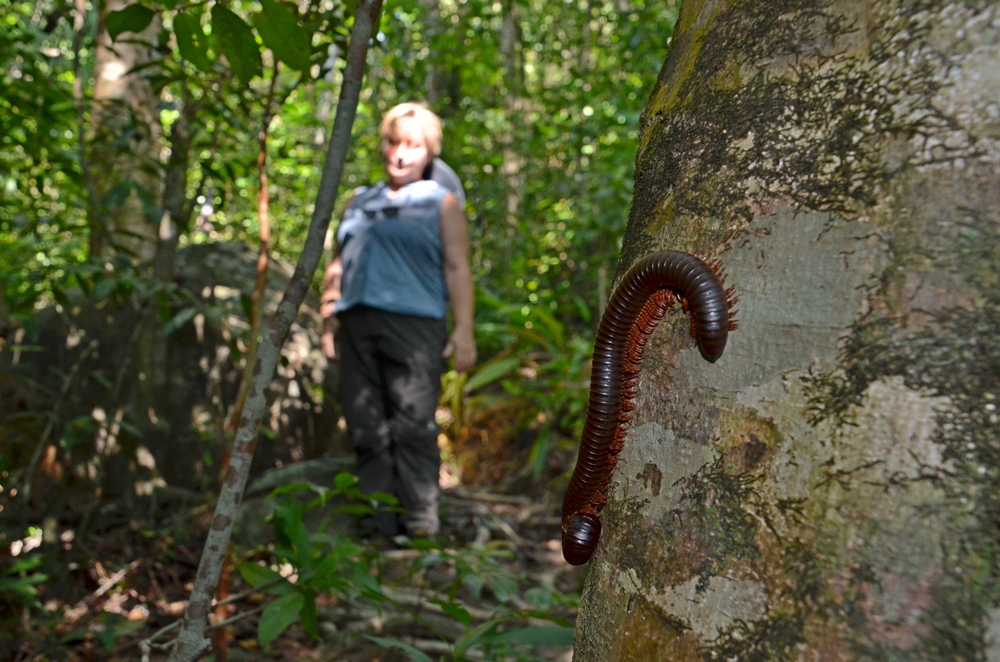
<point x="402" y="252"/>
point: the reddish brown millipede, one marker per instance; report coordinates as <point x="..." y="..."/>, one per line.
<point x="648" y="289"/>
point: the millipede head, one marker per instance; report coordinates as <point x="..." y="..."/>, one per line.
<point x="580" y="538"/>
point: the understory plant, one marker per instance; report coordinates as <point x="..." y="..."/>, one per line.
<point x="311" y="562"/>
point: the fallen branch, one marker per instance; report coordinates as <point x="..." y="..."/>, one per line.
<point x="149" y="643"/>
<point x="469" y="495"/>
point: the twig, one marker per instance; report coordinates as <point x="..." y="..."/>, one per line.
<point x="440" y="648"/>
<point x="263" y="257"/>
<point x="421" y="599"/>
<point x="237" y="617"/>
<point x="150" y="642"/>
<point x="110" y="582"/>
<point x="468" y="495"/>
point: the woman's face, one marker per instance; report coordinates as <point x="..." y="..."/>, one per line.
<point x="406" y="153"/>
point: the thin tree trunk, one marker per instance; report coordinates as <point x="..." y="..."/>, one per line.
<point x="828" y="490"/>
<point x="97" y="238"/>
<point x="513" y="162"/>
<point x="151" y="352"/>
<point x="123" y="112"/>
<point x="191" y="640"/>
<point x="221" y="638"/>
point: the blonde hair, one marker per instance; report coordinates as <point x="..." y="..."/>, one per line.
<point x="430" y="125"/>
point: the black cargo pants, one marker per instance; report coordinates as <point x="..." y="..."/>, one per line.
<point x="390" y="382"/>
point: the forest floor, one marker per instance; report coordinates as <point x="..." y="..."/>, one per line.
<point x="499" y="567"/>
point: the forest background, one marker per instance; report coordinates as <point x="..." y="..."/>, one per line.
<point x="541" y="104"/>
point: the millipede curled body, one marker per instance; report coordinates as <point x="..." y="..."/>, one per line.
<point x="645" y="293"/>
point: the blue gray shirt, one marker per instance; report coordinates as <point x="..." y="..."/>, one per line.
<point x="391" y="250"/>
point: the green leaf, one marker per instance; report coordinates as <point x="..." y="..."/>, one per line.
<point x="25" y="564"/>
<point x="288" y="489"/>
<point x="134" y="18"/>
<point x="504" y="587"/>
<point x="257" y="575"/>
<point x="330" y="564"/>
<point x="237" y="43"/>
<point x="456" y="611"/>
<point x="178" y="320"/>
<point x="280" y="31"/>
<point x="356" y="509"/>
<point x="308" y="614"/>
<point x="23" y="587"/>
<point x="363" y="578"/>
<point x="290" y="529"/>
<point x="104" y="287"/>
<point x="391" y="642"/>
<point x="383" y="497"/>
<point x="540" y="597"/>
<point x="491" y="372"/>
<point x="192" y="41"/>
<point x="278" y="616"/>
<point x="539" y="454"/>
<point x="344" y="481"/>
<point x="424" y="544"/>
<point x="475" y="636"/>
<point x="536" y="635"/>
<point x="475" y="583"/>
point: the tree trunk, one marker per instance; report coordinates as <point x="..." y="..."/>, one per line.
<point x="828" y="489"/>
<point x="126" y="142"/>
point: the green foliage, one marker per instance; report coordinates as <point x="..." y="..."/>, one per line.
<point x="134" y="18"/>
<point x="280" y="31"/>
<point x="237" y="43"/>
<point x="324" y="563"/>
<point x="18" y="586"/>
<point x="192" y="43"/>
<point x="541" y="365"/>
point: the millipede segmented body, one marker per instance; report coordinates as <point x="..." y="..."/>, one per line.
<point x="645" y="293"/>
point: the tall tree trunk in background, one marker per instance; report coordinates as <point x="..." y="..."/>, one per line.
<point x="150" y="351"/>
<point x="513" y="162"/>
<point x="440" y="77"/>
<point x="829" y="489"/>
<point x="126" y="142"/>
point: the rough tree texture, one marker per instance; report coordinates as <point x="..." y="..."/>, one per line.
<point x="829" y="489"/>
<point x="126" y="140"/>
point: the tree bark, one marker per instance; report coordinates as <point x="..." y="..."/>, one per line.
<point x="828" y="490"/>
<point x="191" y="640"/>
<point x="127" y="141"/>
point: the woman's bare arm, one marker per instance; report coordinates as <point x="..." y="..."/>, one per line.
<point x="331" y="295"/>
<point x="458" y="279"/>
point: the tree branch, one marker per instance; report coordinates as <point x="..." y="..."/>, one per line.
<point x="191" y="639"/>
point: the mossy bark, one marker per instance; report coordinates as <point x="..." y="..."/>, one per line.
<point x="829" y="489"/>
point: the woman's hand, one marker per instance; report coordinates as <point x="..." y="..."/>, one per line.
<point x="462" y="345"/>
<point x="328" y="341"/>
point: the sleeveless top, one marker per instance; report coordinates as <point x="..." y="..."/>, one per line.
<point x="391" y="250"/>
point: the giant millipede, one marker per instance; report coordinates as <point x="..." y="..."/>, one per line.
<point x="648" y="289"/>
